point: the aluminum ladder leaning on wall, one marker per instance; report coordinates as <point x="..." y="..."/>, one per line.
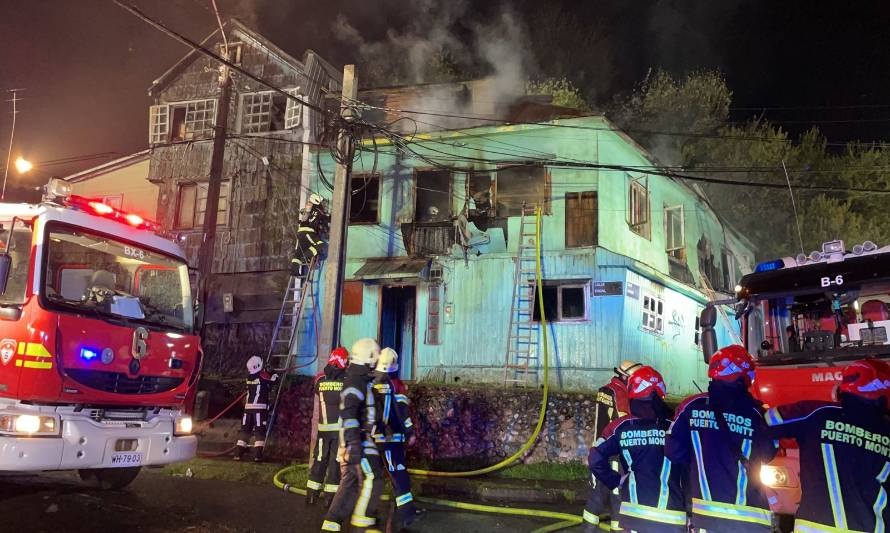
<point x="521" y="361"/>
<point x="281" y="352"/>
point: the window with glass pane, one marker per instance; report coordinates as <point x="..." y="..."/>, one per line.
<point x="261" y="112"/>
<point x="653" y="314"/>
<point x="192" y="203"/>
<point x="638" y="209"/>
<point x="674" y="233"/>
<point x="564" y="301"/>
<point x="158" y="123"/>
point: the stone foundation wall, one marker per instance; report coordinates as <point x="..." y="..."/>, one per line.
<point x="466" y="425"/>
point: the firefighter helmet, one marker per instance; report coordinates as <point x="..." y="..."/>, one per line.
<point x="315" y="199"/>
<point x="339" y="357"/>
<point x="644" y="382"/>
<point x="868" y="378"/>
<point x="626" y="368"/>
<point x="389" y="361"/>
<point x="731" y="363"/>
<point x="364" y="352"/>
<point x="254" y="364"/>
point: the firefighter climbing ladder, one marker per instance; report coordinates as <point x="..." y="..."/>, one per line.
<point x="281" y="350"/>
<point x="522" y="338"/>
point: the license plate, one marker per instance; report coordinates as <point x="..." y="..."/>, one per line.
<point x="126" y="459"/>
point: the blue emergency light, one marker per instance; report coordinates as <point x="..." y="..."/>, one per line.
<point x="770" y="266"/>
<point x="88" y="354"/>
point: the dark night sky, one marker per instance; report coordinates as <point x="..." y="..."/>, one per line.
<point x="86" y="64"/>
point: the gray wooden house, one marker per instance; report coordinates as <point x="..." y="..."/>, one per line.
<point x="265" y="177"/>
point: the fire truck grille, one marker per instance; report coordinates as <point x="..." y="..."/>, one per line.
<point x="120" y="383"/>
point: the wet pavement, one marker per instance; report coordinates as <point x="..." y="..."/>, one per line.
<point x="155" y="502"/>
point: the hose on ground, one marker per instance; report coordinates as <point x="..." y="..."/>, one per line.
<point x="543" y="411"/>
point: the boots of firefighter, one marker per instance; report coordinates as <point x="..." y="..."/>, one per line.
<point x="258" y="452"/>
<point x="240" y="448"/>
<point x="312" y="497"/>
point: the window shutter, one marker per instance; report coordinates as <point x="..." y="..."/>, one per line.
<point x="293" y="113"/>
<point x="158" y="123"/>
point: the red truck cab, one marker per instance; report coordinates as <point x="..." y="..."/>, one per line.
<point x="99" y="359"/>
<point x="804" y="319"/>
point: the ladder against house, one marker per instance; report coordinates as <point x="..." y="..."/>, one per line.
<point x="521" y="364"/>
<point x="282" y="352"/>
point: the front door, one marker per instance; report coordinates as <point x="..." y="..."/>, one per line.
<point x="397" y="321"/>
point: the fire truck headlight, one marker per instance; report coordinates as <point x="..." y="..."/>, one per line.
<point x="36" y="425"/>
<point x="183" y="426"/>
<point x="774" y="476"/>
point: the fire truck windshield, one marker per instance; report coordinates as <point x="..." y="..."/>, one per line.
<point x="853" y="320"/>
<point x="97" y="274"/>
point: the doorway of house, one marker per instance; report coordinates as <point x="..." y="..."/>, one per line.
<point x="397" y="321"/>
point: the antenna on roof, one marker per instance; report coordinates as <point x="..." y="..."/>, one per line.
<point x="793" y="207"/>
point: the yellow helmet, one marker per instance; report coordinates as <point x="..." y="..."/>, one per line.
<point x="626" y="368"/>
<point x="364" y="352"/>
<point x="388" y="361"/>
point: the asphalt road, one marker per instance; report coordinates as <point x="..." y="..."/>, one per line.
<point x="59" y="502"/>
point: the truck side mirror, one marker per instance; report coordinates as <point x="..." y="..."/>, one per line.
<point x="5" y="267"/>
<point x="708" y="319"/>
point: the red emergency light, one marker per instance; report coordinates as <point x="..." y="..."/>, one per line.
<point x="105" y="210"/>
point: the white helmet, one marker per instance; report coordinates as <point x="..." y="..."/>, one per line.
<point x="388" y="361"/>
<point x="315" y="199"/>
<point x="364" y="352"/>
<point x="254" y="364"/>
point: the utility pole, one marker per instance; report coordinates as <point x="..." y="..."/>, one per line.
<point x="336" y="261"/>
<point x="205" y="252"/>
<point x="15" y="112"/>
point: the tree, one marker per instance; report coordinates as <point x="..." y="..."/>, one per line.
<point x="563" y="91"/>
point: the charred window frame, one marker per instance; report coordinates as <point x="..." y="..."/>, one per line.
<point x="364" y="206"/>
<point x="432" y="195"/>
<point x="675" y="233"/>
<point x="729" y="271"/>
<point x="191" y="205"/>
<point x="638" y="217"/>
<point x="262" y="112"/>
<point x="564" y="301"/>
<point x="481" y="189"/>
<point x="528" y="184"/>
<point x="181" y="121"/>
<point x="581" y="219"/>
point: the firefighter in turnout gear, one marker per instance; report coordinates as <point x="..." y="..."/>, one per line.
<point x="256" y="409"/>
<point x="844" y="452"/>
<point x="361" y="471"/>
<point x="324" y="473"/>
<point x="393" y="429"/>
<point x="314" y="222"/>
<point x="722" y="438"/>
<point x="611" y="404"/>
<point x="651" y="493"/>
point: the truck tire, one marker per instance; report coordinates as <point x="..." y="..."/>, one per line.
<point x="109" y="478"/>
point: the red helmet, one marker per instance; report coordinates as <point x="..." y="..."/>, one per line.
<point x="731" y="363"/>
<point x="644" y="382"/>
<point x="868" y="378"/>
<point x="339" y="357"/>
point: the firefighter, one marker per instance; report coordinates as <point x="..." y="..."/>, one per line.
<point x="393" y="429"/>
<point x="327" y="389"/>
<point x="361" y="481"/>
<point x="722" y="438"/>
<point x="651" y="492"/>
<point x="256" y="409"/>
<point x="611" y="404"/>
<point x="844" y="449"/>
<point x="314" y="221"/>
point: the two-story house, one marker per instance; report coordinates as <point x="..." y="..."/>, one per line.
<point x="629" y="256"/>
<point x="265" y="177"/>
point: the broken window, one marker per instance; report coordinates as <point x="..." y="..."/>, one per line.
<point x="192" y="203"/>
<point x="293" y="113"/>
<point x="564" y="301"/>
<point x="674" y="233"/>
<point x="432" y="196"/>
<point x="365" y="202"/>
<point x="262" y="112"/>
<point x="581" y="219"/>
<point x="524" y="184"/>
<point x="729" y="269"/>
<point x="181" y="121"/>
<point x="653" y="314"/>
<point x="638" y="209"/>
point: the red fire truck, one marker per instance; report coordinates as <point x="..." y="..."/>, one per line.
<point x="804" y="319"/>
<point x="98" y="353"/>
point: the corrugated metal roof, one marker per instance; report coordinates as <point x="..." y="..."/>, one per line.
<point x="391" y="268"/>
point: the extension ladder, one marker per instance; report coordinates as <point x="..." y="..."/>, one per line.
<point x="522" y="339"/>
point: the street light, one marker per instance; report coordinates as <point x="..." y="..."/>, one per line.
<point x="23" y="165"/>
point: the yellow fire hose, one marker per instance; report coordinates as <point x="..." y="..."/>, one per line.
<point x="565" y="520"/>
